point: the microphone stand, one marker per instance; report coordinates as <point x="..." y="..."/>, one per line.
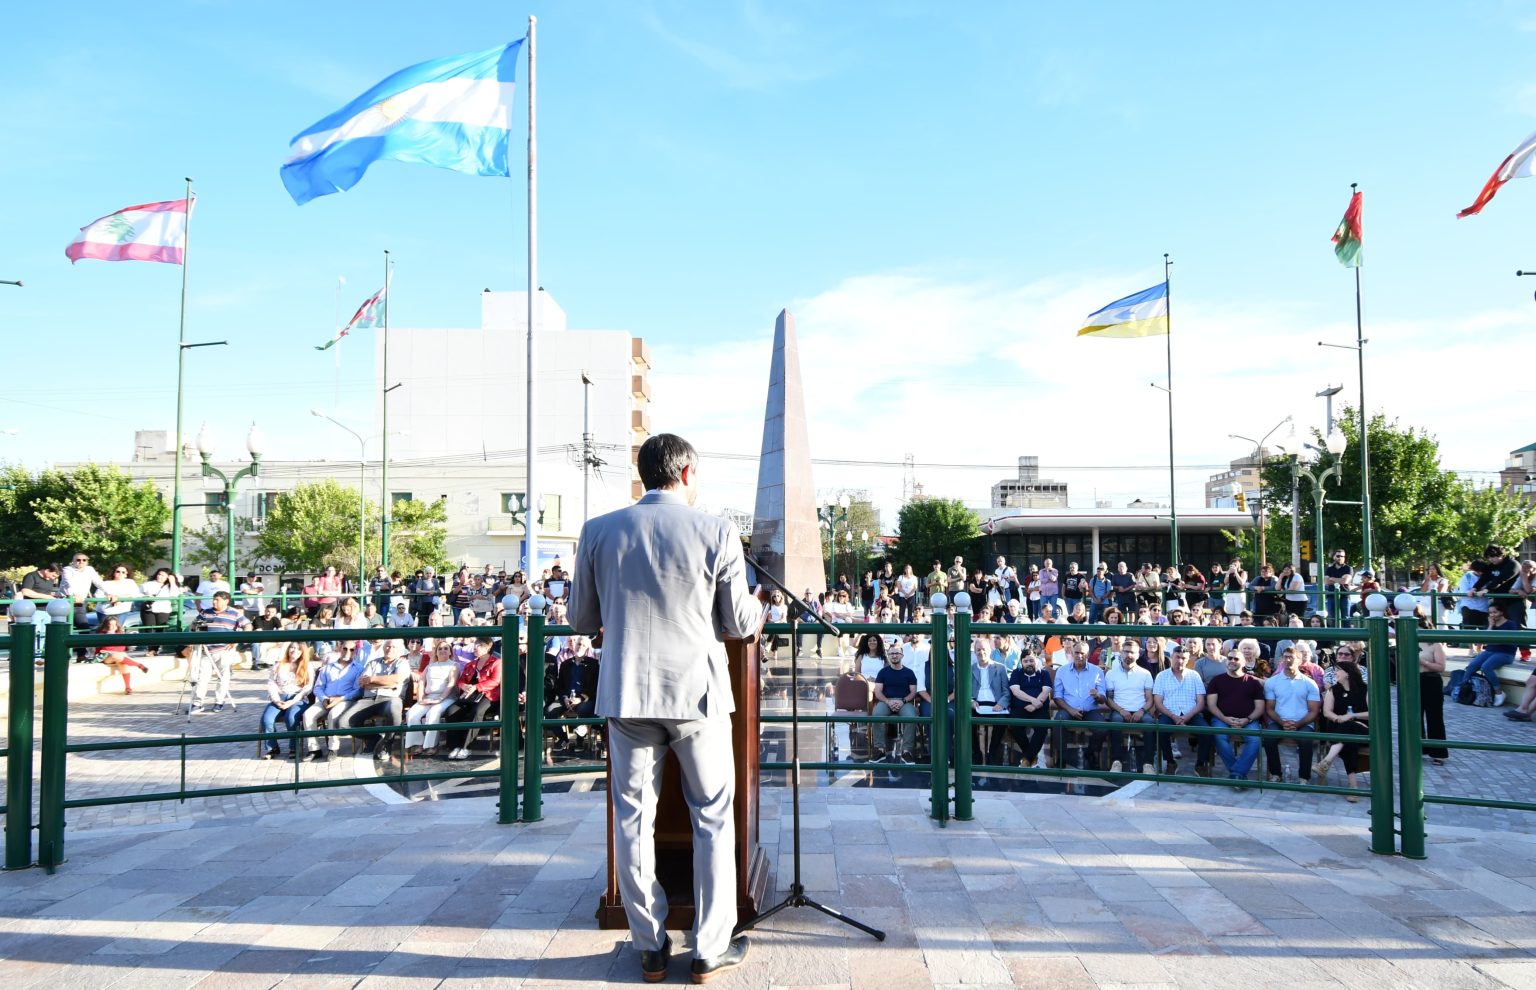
<point x="797" y="898"/>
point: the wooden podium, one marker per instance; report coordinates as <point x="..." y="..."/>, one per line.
<point x="674" y="830"/>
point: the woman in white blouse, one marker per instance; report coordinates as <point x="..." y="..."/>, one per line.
<point x="437" y="686"/>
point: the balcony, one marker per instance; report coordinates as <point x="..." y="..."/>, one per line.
<point x="640" y="388"/>
<point x="636" y="490"/>
<point x="640" y="423"/>
<point x="639" y="353"/>
<point x="503" y="524"/>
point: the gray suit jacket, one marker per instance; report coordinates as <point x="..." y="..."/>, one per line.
<point x="666" y="584"/>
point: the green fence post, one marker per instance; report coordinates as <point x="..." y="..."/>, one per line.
<point x="938" y="725"/>
<point x="533" y="756"/>
<point x="1383" y="824"/>
<point x="50" y="816"/>
<point x="506" y="802"/>
<point x="963" y="715"/>
<point x="1410" y="739"/>
<point x="18" y="762"/>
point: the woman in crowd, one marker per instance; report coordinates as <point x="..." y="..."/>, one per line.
<point x="1431" y="701"/>
<point x="437" y="686"/>
<point x="115" y="654"/>
<point x="163" y="588"/>
<point x="1295" y="588"/>
<point x="869" y="656"/>
<point x="349" y="616"/>
<point x="1345" y="713"/>
<point x="906" y="593"/>
<point x="478" y="701"/>
<point x="121" y="590"/>
<point x="288" y="688"/>
<point x="1194" y="587"/>
<point x="1234" y="582"/>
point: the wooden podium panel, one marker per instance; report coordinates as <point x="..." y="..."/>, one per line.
<point x="674" y="830"/>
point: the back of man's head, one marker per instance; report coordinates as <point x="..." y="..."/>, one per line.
<point x="662" y="460"/>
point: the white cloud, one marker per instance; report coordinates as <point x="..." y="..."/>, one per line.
<point x="976" y="372"/>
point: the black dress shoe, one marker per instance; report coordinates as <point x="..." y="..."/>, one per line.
<point x="653" y="964"/>
<point x="735" y="954"/>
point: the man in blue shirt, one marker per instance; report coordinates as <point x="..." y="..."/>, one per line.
<point x="336" y="687"/>
<point x="895" y="691"/>
<point x="1124" y="584"/>
<point x="1078" y="696"/>
<point x="1099" y="590"/>
<point x="1291" y="701"/>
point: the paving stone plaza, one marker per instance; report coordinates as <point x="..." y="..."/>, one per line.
<point x="1152" y="885"/>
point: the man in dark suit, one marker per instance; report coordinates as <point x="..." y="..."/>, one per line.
<point x="666" y="585"/>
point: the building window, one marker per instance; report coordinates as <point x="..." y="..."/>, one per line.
<point x="214" y="500"/>
<point x="398" y="497"/>
<point x="265" y="503"/>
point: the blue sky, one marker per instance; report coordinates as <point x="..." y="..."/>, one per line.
<point x="940" y="192"/>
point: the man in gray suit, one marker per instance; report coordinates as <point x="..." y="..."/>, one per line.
<point x="667" y="584"/>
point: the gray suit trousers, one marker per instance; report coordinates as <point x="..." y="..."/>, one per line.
<point x="636" y="748"/>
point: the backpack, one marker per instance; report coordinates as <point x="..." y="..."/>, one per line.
<point x="1474" y="691"/>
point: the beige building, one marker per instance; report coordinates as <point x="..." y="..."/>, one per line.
<point x="1221" y="489"/>
<point x="1029" y="490"/>
<point x="1519" y="476"/>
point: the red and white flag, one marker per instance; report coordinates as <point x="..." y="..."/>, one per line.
<point x="148" y="232"/>
<point x="1516" y="166"/>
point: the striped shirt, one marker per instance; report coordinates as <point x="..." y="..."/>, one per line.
<point x="226" y="621"/>
<point x="1181" y="695"/>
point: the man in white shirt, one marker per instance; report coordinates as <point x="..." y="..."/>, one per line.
<point x="251" y="600"/>
<point x="211" y="587"/>
<point x="1129" y="690"/>
<point x="1179" y="696"/>
<point x="77" y="580"/>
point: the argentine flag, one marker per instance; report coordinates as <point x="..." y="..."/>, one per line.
<point x="453" y="112"/>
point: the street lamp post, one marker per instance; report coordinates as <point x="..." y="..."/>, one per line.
<point x="1306" y="457"/>
<point x="1258" y="446"/>
<point x="255" y="444"/>
<point x="829" y="516"/>
<point x="362" y="494"/>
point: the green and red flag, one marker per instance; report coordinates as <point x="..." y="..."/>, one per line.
<point x="1347" y="238"/>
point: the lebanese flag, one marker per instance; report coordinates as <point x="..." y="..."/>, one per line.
<point x="1517" y="166"/>
<point x="148" y="232"/>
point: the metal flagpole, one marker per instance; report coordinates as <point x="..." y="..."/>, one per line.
<point x="181" y="367"/>
<point x="1365" y="443"/>
<point x="1173" y="504"/>
<point x="531" y="507"/>
<point x="384" y="501"/>
<point x="586" y="444"/>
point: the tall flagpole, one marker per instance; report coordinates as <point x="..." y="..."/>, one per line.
<point x="531" y="508"/>
<point x="1365" y="442"/>
<point x="384" y="501"/>
<point x="181" y="367"/>
<point x="1173" y="503"/>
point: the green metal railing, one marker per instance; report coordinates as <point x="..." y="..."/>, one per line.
<point x="521" y="800"/>
<point x="1410" y="732"/>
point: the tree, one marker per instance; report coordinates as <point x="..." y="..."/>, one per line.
<point x="103" y="512"/>
<point x="1419" y="511"/>
<point x="204" y="547"/>
<point x="934" y="529"/>
<point x="418" y="535"/>
<point x="315" y="525"/>
<point x="23" y="543"/>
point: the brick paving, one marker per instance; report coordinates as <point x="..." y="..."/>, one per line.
<point x="1154" y="885"/>
<point x="1050" y="891"/>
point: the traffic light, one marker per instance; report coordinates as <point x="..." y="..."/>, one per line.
<point x="1306" y="550"/>
<point x="1242" y="500"/>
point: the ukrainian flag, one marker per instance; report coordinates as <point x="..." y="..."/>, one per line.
<point x="1144" y="314"/>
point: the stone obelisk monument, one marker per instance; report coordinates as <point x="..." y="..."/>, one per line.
<point x="785" y="536"/>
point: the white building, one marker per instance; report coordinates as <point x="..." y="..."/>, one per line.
<point x="457" y="434"/>
<point x="1029" y="490"/>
